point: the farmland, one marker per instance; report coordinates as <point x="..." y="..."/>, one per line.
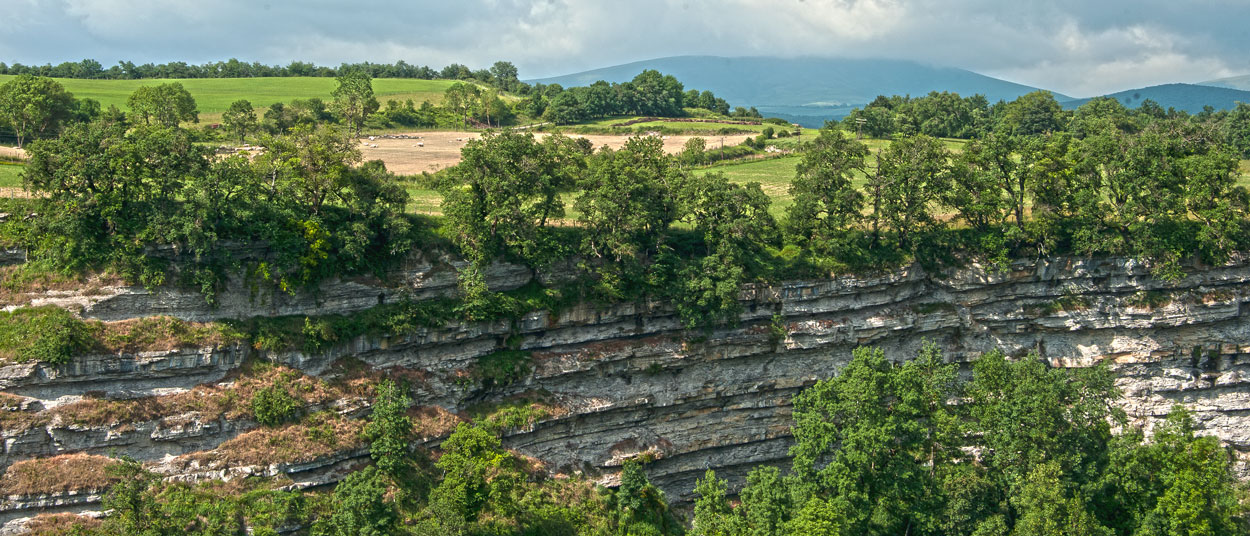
<point x="214" y="95"/>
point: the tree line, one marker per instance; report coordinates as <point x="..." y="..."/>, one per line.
<point x="1163" y="190"/>
<point x="501" y="73"/>
<point x="947" y="115"/>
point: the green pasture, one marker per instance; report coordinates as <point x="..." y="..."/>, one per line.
<point x="214" y="95"/>
<point x="10" y="175"/>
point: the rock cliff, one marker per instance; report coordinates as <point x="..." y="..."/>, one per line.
<point x="628" y="381"/>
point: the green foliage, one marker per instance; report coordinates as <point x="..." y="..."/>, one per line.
<point x="627" y="206"/>
<point x="33" y="106"/>
<point x="353" y="98"/>
<point x="274" y="405"/>
<point x="360" y="507"/>
<point x="240" y="119"/>
<point x="1019" y="449"/>
<point x="639" y="507"/>
<point x="826" y="203"/>
<point x="167" y="104"/>
<point x="47" y="334"/>
<point x="502" y="367"/>
<point x="504" y="196"/>
<point x="390" y="430"/>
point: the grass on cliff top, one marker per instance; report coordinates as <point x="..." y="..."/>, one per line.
<point x="53" y="335"/>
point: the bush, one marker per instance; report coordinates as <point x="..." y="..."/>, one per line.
<point x="47" y="334"/>
<point x="274" y="405"/>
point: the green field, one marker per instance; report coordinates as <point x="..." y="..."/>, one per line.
<point x="214" y="95"/>
<point x="10" y="175"/>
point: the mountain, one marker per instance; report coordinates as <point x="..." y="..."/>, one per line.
<point x="1188" y="97"/>
<point x="808" y="88"/>
<point x="1235" y="82"/>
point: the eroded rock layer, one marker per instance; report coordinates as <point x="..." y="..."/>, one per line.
<point x="628" y="381"/>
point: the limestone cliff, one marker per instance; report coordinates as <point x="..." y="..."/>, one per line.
<point x="628" y="381"/>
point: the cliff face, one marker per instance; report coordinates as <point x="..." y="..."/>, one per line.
<point x="628" y="381"/>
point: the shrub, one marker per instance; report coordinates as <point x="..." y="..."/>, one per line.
<point x="47" y="334"/>
<point x="274" y="405"/>
<point x="502" y="368"/>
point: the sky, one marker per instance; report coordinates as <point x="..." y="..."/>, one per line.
<point x="1076" y="47"/>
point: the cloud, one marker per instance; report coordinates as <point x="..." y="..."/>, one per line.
<point x="1074" y="46"/>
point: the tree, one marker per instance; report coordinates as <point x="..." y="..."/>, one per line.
<point x="479" y="476"/>
<point x="873" y="437"/>
<point x="736" y="228"/>
<point x="460" y="99"/>
<point x="504" y="193"/>
<point x="504" y="75"/>
<point x="353" y="98"/>
<point x="166" y="104"/>
<point x="826" y="202"/>
<point x="361" y="507"/>
<point x="767" y="504"/>
<point x="134" y="510"/>
<point x="911" y="173"/>
<point x="240" y="119"/>
<point x="712" y="514"/>
<point x="389" y="429"/>
<point x="627" y="205"/>
<point x="987" y="183"/>
<point x="1035" y="113"/>
<point x="33" y="106"/>
<point x="310" y="165"/>
<point x="638" y="506"/>
<point x="694" y="153"/>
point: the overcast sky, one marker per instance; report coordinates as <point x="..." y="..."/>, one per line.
<point x="1077" y="47"/>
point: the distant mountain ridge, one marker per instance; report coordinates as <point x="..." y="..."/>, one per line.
<point x="808" y="88"/>
<point x="1188" y="97"/>
<point x="1233" y="82"/>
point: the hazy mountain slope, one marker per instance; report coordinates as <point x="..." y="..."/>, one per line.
<point x="805" y="86"/>
<point x="1234" y="82"/>
<point x="1187" y="97"/>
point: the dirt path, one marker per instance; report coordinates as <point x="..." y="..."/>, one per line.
<point x="432" y="151"/>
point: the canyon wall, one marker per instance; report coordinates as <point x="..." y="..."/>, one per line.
<point x="628" y="381"/>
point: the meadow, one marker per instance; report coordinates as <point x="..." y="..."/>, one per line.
<point x="10" y="175"/>
<point x="214" y="95"/>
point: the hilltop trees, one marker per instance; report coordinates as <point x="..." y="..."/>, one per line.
<point x="34" y="106"/>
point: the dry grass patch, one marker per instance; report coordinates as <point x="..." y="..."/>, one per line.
<point x="164" y="333"/>
<point x="208" y="402"/>
<point x="433" y="421"/>
<point x="58" y="474"/>
<point x="319" y="435"/>
<point x="61" y="524"/>
<point x="21" y="283"/>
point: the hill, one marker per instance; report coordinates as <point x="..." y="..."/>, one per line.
<point x="1188" y="97"/>
<point x="1234" y="82"/>
<point x="214" y="95"/>
<point x="811" y="88"/>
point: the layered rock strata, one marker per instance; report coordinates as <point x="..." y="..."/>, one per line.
<point x="633" y="383"/>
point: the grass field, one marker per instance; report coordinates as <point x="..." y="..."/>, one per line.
<point x="214" y="95"/>
<point x="9" y="175"/>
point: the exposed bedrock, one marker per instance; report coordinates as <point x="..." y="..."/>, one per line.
<point x="635" y="384"/>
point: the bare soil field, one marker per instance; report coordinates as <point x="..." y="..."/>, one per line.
<point x="432" y="151"/>
<point x="12" y="152"/>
